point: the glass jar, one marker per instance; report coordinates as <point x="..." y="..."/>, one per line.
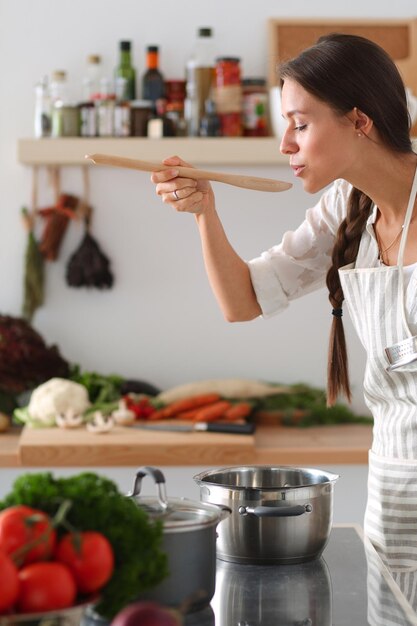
<point x="140" y="112"/>
<point x="65" y="120"/>
<point x="255" y="107"/>
<point x="228" y="95"/>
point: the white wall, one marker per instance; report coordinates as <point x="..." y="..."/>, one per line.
<point x="180" y="484"/>
<point x="160" y="322"/>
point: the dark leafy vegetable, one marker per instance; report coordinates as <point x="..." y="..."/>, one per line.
<point x="98" y="505"/>
<point x="25" y="359"/>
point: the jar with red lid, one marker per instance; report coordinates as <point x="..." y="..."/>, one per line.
<point x="255" y="107"/>
<point x="228" y="95"/>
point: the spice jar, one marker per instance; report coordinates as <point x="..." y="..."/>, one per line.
<point x="228" y="95"/>
<point x="255" y="107"/>
<point x="65" y="120"/>
<point x="140" y="112"/>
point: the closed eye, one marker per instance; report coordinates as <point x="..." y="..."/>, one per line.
<point x="301" y="127"/>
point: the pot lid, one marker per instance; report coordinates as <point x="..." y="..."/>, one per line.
<point x="181" y="514"/>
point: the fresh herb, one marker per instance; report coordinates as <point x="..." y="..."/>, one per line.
<point x="101" y="388"/>
<point x="98" y="505"/>
<point x="306" y="406"/>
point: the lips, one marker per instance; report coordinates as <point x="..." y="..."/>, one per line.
<point x="297" y="169"/>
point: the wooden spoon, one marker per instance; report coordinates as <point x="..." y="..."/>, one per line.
<point x="238" y="180"/>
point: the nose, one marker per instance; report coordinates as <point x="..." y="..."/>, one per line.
<point x="288" y="145"/>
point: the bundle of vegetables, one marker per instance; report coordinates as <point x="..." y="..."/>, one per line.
<point x="73" y="537"/>
<point x="25" y="360"/>
<point x="292" y="405"/>
<point x="209" y="407"/>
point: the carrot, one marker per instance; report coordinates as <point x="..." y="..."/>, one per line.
<point x="159" y="414"/>
<point x="238" y="411"/>
<point x="188" y="415"/>
<point x="193" y="402"/>
<point x="212" y="412"/>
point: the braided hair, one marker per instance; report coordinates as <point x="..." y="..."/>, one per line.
<point x="348" y="71"/>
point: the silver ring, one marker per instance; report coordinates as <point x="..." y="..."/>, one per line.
<point x="176" y="195"/>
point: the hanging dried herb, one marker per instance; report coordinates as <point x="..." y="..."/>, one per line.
<point x="33" y="281"/>
<point x="57" y="218"/>
<point x="88" y="266"/>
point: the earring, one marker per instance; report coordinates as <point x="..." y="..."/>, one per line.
<point x="360" y="135"/>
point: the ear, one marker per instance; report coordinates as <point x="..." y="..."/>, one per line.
<point x="361" y="122"/>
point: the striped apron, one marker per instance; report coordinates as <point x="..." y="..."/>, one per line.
<point x="380" y="308"/>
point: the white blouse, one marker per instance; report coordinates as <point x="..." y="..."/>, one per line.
<point x="299" y="264"/>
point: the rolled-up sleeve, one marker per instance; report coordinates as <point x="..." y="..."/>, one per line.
<point x="299" y="264"/>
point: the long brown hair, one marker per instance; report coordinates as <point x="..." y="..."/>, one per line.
<point x="347" y="71"/>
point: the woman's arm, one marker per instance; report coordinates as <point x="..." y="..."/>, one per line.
<point x="228" y="274"/>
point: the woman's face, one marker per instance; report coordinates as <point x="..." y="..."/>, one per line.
<point x="321" y="144"/>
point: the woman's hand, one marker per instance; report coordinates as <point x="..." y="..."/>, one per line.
<point x="183" y="194"/>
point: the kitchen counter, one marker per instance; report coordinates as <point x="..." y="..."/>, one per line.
<point x="347" y="586"/>
<point x="55" y="447"/>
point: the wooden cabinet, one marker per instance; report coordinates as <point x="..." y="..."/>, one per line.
<point x="287" y="38"/>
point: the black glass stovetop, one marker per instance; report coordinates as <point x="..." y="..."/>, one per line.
<point x="347" y="586"/>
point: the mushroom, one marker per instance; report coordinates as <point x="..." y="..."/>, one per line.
<point x="69" y="419"/>
<point x="123" y="416"/>
<point x="100" y="423"/>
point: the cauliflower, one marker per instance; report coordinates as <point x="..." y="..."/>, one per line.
<point x="56" y="396"/>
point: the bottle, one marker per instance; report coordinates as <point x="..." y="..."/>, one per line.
<point x="105" y="109"/>
<point x="199" y="77"/>
<point x="58" y="87"/>
<point x="91" y="80"/>
<point x="126" y="70"/>
<point x="210" y="123"/>
<point x="122" y="109"/>
<point x="42" y="121"/>
<point x="153" y="85"/>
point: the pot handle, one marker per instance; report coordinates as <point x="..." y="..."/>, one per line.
<point x="276" y="511"/>
<point x="159" y="478"/>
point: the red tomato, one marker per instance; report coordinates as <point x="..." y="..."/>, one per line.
<point x="89" y="555"/>
<point x="21" y="526"/>
<point x="9" y="582"/>
<point x="45" y="587"/>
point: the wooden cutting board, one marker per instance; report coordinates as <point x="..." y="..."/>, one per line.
<point x="123" y="446"/>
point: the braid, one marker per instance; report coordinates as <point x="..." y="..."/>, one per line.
<point x="345" y="251"/>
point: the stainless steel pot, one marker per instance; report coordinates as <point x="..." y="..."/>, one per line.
<point x="279" y="514"/>
<point x="189" y="540"/>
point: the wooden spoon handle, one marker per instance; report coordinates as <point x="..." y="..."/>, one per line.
<point x="238" y="180"/>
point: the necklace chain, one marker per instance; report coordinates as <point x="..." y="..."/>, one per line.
<point x="381" y="250"/>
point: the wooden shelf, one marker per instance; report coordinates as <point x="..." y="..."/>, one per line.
<point x="225" y="151"/>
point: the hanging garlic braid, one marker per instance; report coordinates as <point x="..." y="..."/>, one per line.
<point x="346" y="71"/>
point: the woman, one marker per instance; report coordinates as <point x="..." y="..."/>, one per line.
<point x="348" y="127"/>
